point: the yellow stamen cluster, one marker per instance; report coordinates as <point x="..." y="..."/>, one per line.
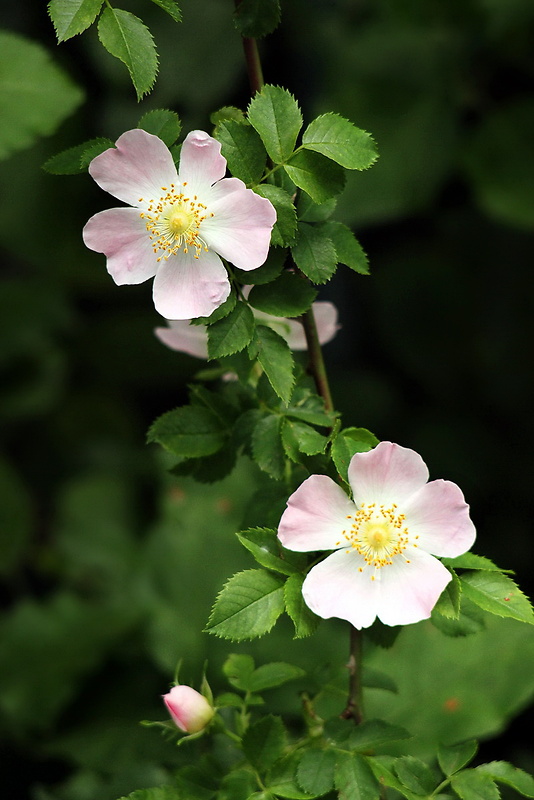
<point x="378" y="533"/>
<point x="173" y="222"/>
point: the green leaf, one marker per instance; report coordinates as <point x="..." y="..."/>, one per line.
<point x="257" y="18"/>
<point x="157" y="793"/>
<point x="448" y="604"/>
<point x="35" y="94"/>
<point x="269" y="676"/>
<point x="304" y="620"/>
<point x="316" y="771"/>
<point x="285" y="227"/>
<point x="232" y="333"/>
<point x="225" y="113"/>
<point x="76" y="159"/>
<point x="287" y="296"/>
<point x="304" y="437"/>
<point x="267" y="272"/>
<point x="310" y="408"/>
<point x="498" y="594"/>
<point x="189" y="431"/>
<point x="470" y="620"/>
<point x="71" y="17"/>
<point x="314" y="254"/>
<point x="162" y="123"/>
<point x="375" y="732"/>
<point x="282" y="779"/>
<point x="415" y="775"/>
<point x="474" y="785"/>
<point x="275" y="114"/>
<point x="127" y="38"/>
<point x="218" y="313"/>
<point x="247" y="606"/>
<point x="319" y="177"/>
<point x="472" y="561"/>
<point x="383" y="767"/>
<point x="264" y="742"/>
<point x="15" y="518"/>
<point x="267" y="449"/>
<point x="171" y="7"/>
<point x="340" y="140"/>
<point x="267" y="550"/>
<point x="503" y="772"/>
<point x="376" y="679"/>
<point x="349" y="250"/>
<point x="238" y="668"/>
<point x="276" y="360"/>
<point x="243" y="149"/>
<point x="347" y="443"/>
<point x="453" y="757"/>
<point x="308" y="211"/>
<point x="354" y="778"/>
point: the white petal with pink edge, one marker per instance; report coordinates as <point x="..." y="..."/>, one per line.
<point x="336" y="588"/>
<point x="316" y="516"/>
<point x="388" y="473"/>
<point x="186" y="287"/>
<point x="240" y="228"/>
<point x="185" y="338"/>
<point x="120" y="233"/>
<point x="439" y="515"/>
<point x="138" y="167"/>
<point x="409" y="589"/>
<point x="201" y="162"/>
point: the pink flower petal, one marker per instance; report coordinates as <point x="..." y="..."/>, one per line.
<point x="201" y="162"/>
<point x="388" y="474"/>
<point x="316" y="516"/>
<point x="409" y="591"/>
<point x="439" y="515"/>
<point x="186" y="287"/>
<point x="121" y="235"/>
<point x="240" y="229"/>
<point x="185" y="338"/>
<point x="336" y="588"/>
<point x="189" y="710"/>
<point x="138" y="168"/>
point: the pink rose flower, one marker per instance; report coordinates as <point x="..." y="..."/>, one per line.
<point x="189" y="710"/>
<point x="193" y="339"/>
<point x="384" y="539"/>
<point x="178" y="222"/>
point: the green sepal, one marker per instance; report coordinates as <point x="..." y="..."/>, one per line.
<point x="248" y="606"/>
<point x="127" y="38"/>
<point x="338" y="139"/>
<point x="320" y="178"/>
<point x="264" y="742"/>
<point x="77" y="159"/>
<point x="285" y="227"/>
<point x="232" y="333"/>
<point x="256" y="18"/>
<point x="243" y="150"/>
<point x="275" y="114"/>
<point x="163" y="123"/>
<point x="265" y="546"/>
<point x="314" y="253"/>
<point x="71" y="17"/>
<point x="302" y="617"/>
<point x="287" y="296"/>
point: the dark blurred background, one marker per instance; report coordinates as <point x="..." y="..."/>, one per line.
<point x="100" y="551"/>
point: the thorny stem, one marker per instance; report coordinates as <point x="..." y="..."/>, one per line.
<point x="317" y="368"/>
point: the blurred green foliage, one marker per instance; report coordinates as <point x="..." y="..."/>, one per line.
<point x="109" y="566"/>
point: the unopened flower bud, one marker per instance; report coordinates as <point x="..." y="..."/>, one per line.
<point x="189" y="710"/>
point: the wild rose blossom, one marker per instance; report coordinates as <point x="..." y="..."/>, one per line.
<point x="178" y="222"/>
<point x="180" y="335"/>
<point x="189" y="710"/>
<point x="384" y="539"/>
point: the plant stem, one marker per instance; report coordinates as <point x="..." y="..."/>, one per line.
<point x="252" y="58"/>
<point x="316" y="361"/>
<point x="354" y="709"/>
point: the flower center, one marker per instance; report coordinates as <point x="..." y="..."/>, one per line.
<point x="379" y="534"/>
<point x="173" y="222"/>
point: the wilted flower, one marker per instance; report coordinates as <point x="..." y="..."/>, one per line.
<point x="385" y="539"/>
<point x="178" y="222"/>
<point x="189" y="710"/>
<point x="193" y="339"/>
